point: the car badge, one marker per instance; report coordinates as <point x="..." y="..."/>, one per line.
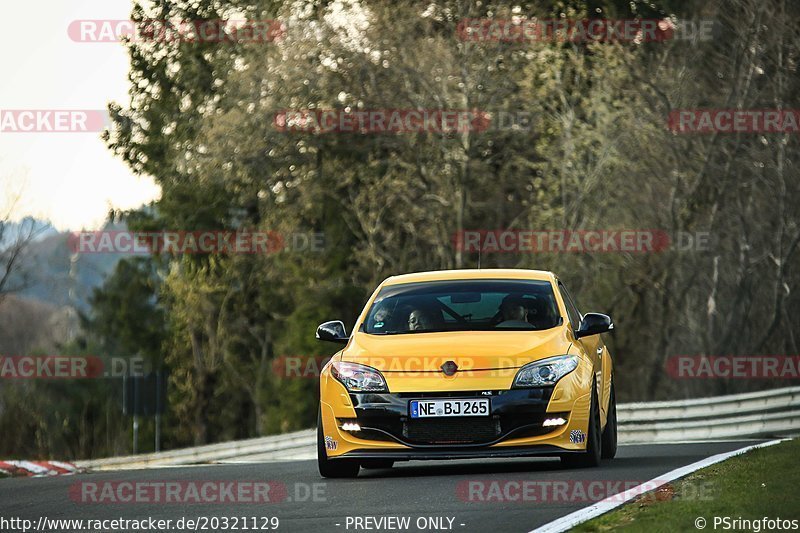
<point x="577" y="436"/>
<point x="449" y="368"/>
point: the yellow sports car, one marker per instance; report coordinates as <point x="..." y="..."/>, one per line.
<point x="467" y="364"/>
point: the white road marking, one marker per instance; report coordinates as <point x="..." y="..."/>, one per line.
<point x="689" y="441"/>
<point x="612" y="502"/>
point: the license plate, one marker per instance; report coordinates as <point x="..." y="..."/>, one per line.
<point x="432" y="408"/>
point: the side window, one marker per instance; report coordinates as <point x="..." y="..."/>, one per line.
<point x="572" y="311"/>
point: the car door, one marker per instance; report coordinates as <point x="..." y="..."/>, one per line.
<point x="594" y="349"/>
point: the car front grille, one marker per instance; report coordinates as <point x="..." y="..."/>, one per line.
<point x="461" y="430"/>
<point x="515" y="414"/>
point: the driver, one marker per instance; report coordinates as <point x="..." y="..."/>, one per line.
<point x="381" y="315"/>
<point x="514" y="313"/>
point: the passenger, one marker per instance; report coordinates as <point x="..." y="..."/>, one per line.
<point x="418" y="320"/>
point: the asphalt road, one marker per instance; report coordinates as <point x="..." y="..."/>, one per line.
<point x="416" y="490"/>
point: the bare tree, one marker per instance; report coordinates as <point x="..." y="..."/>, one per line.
<point x="15" y="238"/>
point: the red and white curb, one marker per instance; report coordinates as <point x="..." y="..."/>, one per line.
<point x="612" y="502"/>
<point x="37" y="468"/>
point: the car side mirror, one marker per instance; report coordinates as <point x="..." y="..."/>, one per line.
<point x="333" y="331"/>
<point x="594" y="323"/>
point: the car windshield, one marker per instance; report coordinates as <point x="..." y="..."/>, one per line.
<point x="464" y="305"/>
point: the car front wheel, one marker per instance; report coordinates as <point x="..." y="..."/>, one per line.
<point x="591" y="457"/>
<point x="609" y="442"/>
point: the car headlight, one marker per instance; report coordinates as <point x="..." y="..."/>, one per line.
<point x="545" y="372"/>
<point x="358" y="378"/>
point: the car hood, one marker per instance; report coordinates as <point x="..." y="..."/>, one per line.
<point x="470" y="350"/>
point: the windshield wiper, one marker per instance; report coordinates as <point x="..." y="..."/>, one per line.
<point x="412" y="331"/>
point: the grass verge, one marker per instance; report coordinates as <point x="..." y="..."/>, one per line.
<point x="761" y="483"/>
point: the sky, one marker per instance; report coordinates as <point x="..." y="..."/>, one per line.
<point x="71" y="179"/>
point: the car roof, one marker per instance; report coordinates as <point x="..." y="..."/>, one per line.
<point x="484" y="273"/>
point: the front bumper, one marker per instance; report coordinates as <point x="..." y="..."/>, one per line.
<point x="514" y="427"/>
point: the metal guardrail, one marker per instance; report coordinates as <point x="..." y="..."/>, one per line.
<point x="288" y="446"/>
<point x="774" y="413"/>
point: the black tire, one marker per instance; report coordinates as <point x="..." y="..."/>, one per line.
<point x="336" y="467"/>
<point x="609" y="442"/>
<point x="376" y="464"/>
<point x="591" y="457"/>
